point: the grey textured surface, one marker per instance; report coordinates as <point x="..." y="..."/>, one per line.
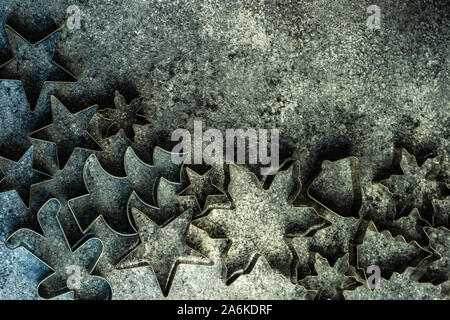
<point x="110" y="195"/>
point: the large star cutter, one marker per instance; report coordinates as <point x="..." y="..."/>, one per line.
<point x="68" y="131"/>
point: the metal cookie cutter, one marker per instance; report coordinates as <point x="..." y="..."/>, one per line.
<point x="72" y="268"/>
